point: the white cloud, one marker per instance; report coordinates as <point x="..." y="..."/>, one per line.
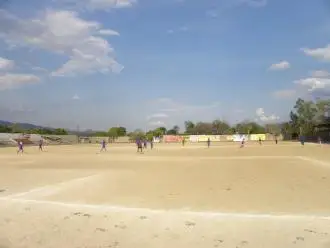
<point x="100" y="4"/>
<point x="157" y="123"/>
<point x="108" y="32"/>
<point x="169" y="105"/>
<point x="157" y="116"/>
<point x="6" y="64"/>
<point x="40" y="69"/>
<point x="12" y="81"/>
<point x="289" y="93"/>
<point x="79" y="40"/>
<point x="265" y="118"/>
<point x="170" y="31"/>
<point x="283" y="65"/>
<point x="320" y="74"/>
<point x="75" y="97"/>
<point x="318" y="53"/>
<point x="314" y="84"/>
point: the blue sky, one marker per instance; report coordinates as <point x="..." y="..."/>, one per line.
<point x="145" y="63"/>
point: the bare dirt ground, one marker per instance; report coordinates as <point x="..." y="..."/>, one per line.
<point x="172" y="196"/>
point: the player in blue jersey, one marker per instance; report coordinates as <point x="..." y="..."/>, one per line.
<point x="103" y="146"/>
<point x="139" y="145"/>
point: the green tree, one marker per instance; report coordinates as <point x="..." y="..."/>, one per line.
<point x="113" y="132"/>
<point x="60" y="131"/>
<point x="189" y="127"/>
<point x="304" y="116"/>
<point x="273" y="128"/>
<point x="248" y="127"/>
<point x="220" y="127"/>
<point x="5" y="129"/>
<point x="203" y="128"/>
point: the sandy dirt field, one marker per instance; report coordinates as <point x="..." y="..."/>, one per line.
<point x="172" y="196"/>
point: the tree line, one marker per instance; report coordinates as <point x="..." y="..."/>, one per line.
<point x="306" y="118"/>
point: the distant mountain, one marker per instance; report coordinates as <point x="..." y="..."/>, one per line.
<point x="21" y="125"/>
<point x="27" y="126"/>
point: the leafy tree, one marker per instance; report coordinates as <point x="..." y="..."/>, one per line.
<point x="189" y="127"/>
<point x="60" y="131"/>
<point x="204" y="128"/>
<point x="101" y="134"/>
<point x="220" y="127"/>
<point x="113" y="132"/>
<point x="303" y="116"/>
<point x="138" y="133"/>
<point x="273" y="129"/>
<point x="247" y="127"/>
<point x="5" y="129"/>
<point x="121" y="131"/>
<point x="176" y="129"/>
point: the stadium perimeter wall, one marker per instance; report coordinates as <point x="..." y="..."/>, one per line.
<point x="220" y="138"/>
<point x="10" y="139"/>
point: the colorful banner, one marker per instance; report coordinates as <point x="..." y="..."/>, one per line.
<point x="255" y="137"/>
<point x="172" y="138"/>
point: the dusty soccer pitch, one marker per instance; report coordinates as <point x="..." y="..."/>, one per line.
<point x="172" y="196"/>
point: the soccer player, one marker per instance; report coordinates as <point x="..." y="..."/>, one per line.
<point x="183" y="141"/>
<point x="242" y="143"/>
<point x="208" y="142"/>
<point x="40" y="145"/>
<point x="103" y="146"/>
<point x="259" y="140"/>
<point x="151" y="144"/>
<point x="319" y="140"/>
<point x="302" y="140"/>
<point x="276" y="140"/>
<point x="139" y="145"/>
<point x="145" y="144"/>
<point x="20" y="147"/>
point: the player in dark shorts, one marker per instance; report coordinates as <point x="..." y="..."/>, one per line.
<point x="276" y="140"/>
<point x="183" y="141"/>
<point x="103" y="146"/>
<point x="242" y="143"/>
<point x="260" y="141"/>
<point x="20" y="147"/>
<point x="302" y="140"/>
<point x="151" y="144"/>
<point x="41" y="145"/>
<point x="145" y="144"/>
<point x="139" y="145"/>
<point x="208" y="143"/>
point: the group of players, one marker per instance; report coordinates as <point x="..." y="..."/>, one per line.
<point x="21" y="146"/>
<point x="143" y="144"/>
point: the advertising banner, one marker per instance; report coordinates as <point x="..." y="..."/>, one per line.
<point x="172" y="138"/>
<point x="156" y="140"/>
<point x="240" y="137"/>
<point x="204" y="138"/>
<point x="193" y="138"/>
<point x="256" y="137"/>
